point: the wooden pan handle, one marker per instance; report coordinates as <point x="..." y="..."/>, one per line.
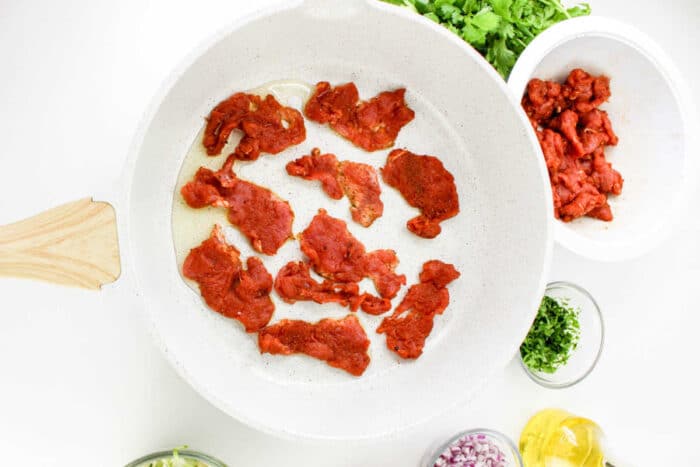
<point x="74" y="244"/>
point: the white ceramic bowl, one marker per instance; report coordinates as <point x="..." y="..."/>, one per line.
<point x="652" y="112"/>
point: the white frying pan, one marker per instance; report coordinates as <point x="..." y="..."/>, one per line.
<point x="501" y="240"/>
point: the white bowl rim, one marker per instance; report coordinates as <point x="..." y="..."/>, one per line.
<point x="599" y="26"/>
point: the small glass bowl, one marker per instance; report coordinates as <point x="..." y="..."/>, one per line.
<point x="590" y="345"/>
<point x="504" y="443"/>
<point x="191" y="455"/>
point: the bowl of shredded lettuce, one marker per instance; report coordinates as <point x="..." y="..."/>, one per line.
<point x="499" y="29"/>
<point x="178" y="457"/>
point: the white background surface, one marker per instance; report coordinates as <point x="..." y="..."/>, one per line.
<point x="81" y="383"/>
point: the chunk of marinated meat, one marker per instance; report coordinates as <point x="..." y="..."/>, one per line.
<point x="321" y="167"/>
<point x="583" y="202"/>
<point x="412" y="321"/>
<point x="361" y="185"/>
<point x="264" y="218"/>
<point x="341" y="343"/>
<point x="357" y="181"/>
<point x="543" y="99"/>
<point x="425" y="184"/>
<point x="553" y="147"/>
<point x="585" y="91"/>
<point x="337" y="255"/>
<point x="227" y="288"/>
<point x="370" y="125"/>
<point x="566" y="123"/>
<point x="294" y="283"/>
<point x="605" y="178"/>
<point x="597" y="121"/>
<point x="267" y="126"/>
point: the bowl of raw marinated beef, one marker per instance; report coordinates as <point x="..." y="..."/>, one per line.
<point x="615" y="124"/>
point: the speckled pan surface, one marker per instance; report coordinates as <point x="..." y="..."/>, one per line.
<point x="501" y="241"/>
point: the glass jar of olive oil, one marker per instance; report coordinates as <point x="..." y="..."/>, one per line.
<point x="556" y="438"/>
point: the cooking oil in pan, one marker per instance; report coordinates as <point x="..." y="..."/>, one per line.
<point x="191" y="226"/>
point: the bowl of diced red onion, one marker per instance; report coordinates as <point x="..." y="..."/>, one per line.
<point x="476" y="448"/>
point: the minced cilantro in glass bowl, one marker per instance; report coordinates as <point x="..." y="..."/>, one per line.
<point x="566" y="338"/>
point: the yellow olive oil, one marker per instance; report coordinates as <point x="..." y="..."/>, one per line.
<point x="556" y="438"/>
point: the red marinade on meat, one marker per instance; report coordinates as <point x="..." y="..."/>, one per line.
<point x="267" y="126"/>
<point x="370" y="125"/>
<point x="241" y="294"/>
<point x="412" y="321"/>
<point x="294" y="283"/>
<point x="573" y="133"/>
<point x="425" y="184"/>
<point x="337" y="255"/>
<point x="321" y="167"/>
<point x="361" y="185"/>
<point x="340" y="343"/>
<point x="257" y="212"/>
<point x="357" y="181"/>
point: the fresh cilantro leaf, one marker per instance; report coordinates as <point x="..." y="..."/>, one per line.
<point x="486" y="20"/>
<point x="502" y="8"/>
<point x="500" y="56"/>
<point x="423" y="6"/>
<point x="475" y="36"/>
<point x="453" y="29"/>
<point x="583" y="9"/>
<point x="433" y="17"/>
<point x="471" y="6"/>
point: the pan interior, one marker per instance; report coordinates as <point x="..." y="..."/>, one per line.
<point x="500" y="241"/>
<point x="429" y="133"/>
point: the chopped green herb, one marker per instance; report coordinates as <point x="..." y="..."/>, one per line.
<point x="553" y="336"/>
<point x="175" y="461"/>
<point x="499" y="29"/>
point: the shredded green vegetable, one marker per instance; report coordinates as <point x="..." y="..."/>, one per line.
<point x="175" y="461"/>
<point x="499" y="29"/>
<point x="553" y="336"/>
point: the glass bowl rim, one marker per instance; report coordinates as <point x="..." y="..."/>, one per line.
<point x="567" y="384"/>
<point x="196" y="455"/>
<point x="474" y="431"/>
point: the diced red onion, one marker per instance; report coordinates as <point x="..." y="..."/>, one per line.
<point x="472" y="450"/>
